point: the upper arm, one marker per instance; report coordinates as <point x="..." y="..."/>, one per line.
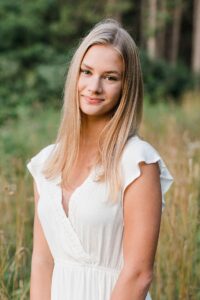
<point x="41" y="251"/>
<point x="142" y="216"/>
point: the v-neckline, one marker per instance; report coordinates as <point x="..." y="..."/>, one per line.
<point x="92" y="172"/>
<point x="73" y="193"/>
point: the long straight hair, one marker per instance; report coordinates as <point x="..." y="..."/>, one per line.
<point x="125" y="120"/>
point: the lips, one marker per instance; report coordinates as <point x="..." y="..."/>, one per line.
<point x="91" y="100"/>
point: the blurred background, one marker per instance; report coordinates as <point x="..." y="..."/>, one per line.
<point x="37" y="41"/>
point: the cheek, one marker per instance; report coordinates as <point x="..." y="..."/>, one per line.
<point x="80" y="84"/>
<point x="116" y="93"/>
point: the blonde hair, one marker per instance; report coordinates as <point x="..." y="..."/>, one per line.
<point x="126" y="118"/>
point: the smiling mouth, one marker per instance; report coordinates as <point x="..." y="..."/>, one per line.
<point x="92" y="100"/>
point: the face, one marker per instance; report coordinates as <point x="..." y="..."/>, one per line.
<point x="100" y="81"/>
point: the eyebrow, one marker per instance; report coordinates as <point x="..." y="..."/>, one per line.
<point x="107" y="72"/>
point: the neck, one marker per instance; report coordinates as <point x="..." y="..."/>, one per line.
<point x="91" y="130"/>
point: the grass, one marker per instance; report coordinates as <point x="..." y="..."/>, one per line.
<point x="174" y="132"/>
<point x="19" y="142"/>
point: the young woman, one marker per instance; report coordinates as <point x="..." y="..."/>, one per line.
<point x="99" y="190"/>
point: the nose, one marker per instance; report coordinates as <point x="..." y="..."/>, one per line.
<point x="95" y="85"/>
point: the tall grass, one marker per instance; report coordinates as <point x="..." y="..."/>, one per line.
<point x="19" y="141"/>
<point x="174" y="132"/>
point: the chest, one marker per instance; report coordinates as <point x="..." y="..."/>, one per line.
<point x="90" y="203"/>
<point x="78" y="177"/>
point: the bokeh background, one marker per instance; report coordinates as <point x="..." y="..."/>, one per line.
<point x="37" y="40"/>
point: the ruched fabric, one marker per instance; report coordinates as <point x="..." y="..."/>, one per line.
<point x="86" y="244"/>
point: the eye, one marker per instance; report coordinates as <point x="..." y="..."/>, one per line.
<point x="85" y="71"/>
<point x="111" y="78"/>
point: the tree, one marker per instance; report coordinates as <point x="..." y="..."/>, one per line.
<point x="162" y="18"/>
<point x="196" y="38"/>
<point x="151" y="39"/>
<point x="176" y="24"/>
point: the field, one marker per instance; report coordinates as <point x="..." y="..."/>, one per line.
<point x="174" y="132"/>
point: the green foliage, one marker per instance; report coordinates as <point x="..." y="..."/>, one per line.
<point x="164" y="81"/>
<point x="37" y="38"/>
<point x="37" y="41"/>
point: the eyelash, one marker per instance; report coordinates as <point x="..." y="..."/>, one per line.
<point x="111" y="78"/>
<point x="88" y="72"/>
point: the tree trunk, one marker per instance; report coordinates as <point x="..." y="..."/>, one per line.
<point x="143" y="23"/>
<point x="177" y="16"/>
<point x="161" y="28"/>
<point x="151" y="40"/>
<point x="196" y="38"/>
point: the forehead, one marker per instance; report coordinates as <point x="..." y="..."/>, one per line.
<point x="105" y="56"/>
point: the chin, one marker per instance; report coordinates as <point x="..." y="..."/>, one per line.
<point x="90" y="114"/>
<point x="90" y="111"/>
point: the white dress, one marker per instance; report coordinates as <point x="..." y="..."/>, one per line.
<point x="87" y="244"/>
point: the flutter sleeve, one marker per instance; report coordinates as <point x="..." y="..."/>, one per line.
<point x="141" y="151"/>
<point x="35" y="166"/>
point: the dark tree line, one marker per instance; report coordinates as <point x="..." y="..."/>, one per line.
<point x="37" y="39"/>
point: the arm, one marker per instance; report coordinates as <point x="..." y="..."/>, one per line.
<point x="42" y="261"/>
<point x="142" y="216"/>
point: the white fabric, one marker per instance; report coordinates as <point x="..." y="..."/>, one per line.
<point x="87" y="244"/>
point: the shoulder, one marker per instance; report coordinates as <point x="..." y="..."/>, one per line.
<point x="137" y="149"/>
<point x="36" y="163"/>
<point x="136" y="154"/>
<point x="43" y="154"/>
